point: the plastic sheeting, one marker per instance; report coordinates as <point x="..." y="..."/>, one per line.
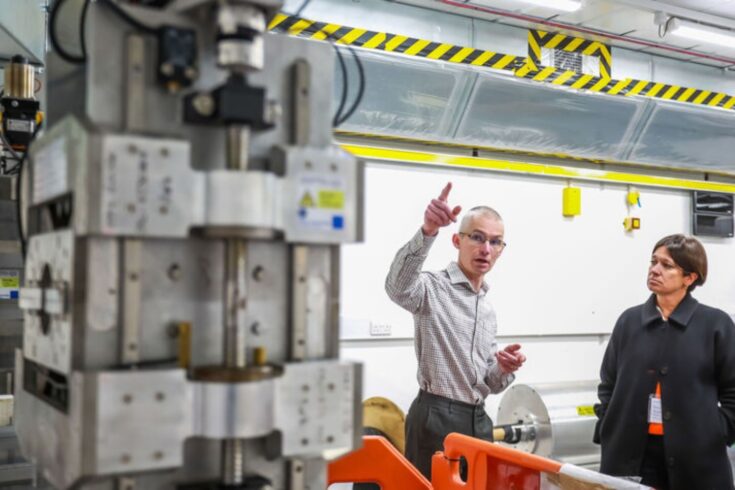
<point x="517" y="114"/>
<point x="697" y="137"/>
<point x="443" y="102"/>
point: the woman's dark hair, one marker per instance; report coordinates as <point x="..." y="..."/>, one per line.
<point x="688" y="253"/>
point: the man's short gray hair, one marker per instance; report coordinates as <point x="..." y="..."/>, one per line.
<point x="486" y="211"/>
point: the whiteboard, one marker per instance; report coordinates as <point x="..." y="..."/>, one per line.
<point x="558" y="276"/>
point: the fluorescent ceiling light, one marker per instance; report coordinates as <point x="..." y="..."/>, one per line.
<point x="565" y="5"/>
<point x="701" y="33"/>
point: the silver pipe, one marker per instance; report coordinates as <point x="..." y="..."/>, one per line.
<point x="233" y="451"/>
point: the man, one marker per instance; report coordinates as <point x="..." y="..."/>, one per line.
<point x="455" y="328"/>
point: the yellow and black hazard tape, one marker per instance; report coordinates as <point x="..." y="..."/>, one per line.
<point x="550" y="40"/>
<point x="396" y="43"/>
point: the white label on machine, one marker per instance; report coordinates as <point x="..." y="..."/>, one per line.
<point x="654" y="410"/>
<point x="321" y="202"/>
<point x="50" y="171"/>
<point x="21" y="125"/>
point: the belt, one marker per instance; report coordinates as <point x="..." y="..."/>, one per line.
<point x="443" y="401"/>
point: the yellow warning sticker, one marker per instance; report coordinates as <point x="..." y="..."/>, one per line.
<point x="306" y="201"/>
<point x="586" y="411"/>
<point x="331" y="199"/>
<point x="9" y="282"/>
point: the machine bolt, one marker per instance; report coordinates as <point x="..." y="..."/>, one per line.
<point x="174" y="272"/>
<point x="158" y="455"/>
<point x="127" y="398"/>
<point x="190" y="72"/>
<point x="272" y="112"/>
<point x="330" y="439"/>
<point x="125" y="458"/>
<point x="304" y="441"/>
<point x="160" y="397"/>
<point x="203" y="104"/>
<point x="164" y="152"/>
<point x="167" y="69"/>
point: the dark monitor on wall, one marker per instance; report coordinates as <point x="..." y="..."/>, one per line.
<point x="712" y="214"/>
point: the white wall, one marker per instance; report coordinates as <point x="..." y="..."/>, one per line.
<point x="558" y="288"/>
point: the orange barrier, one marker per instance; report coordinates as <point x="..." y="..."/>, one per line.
<point x="377" y="461"/>
<point x="490" y="466"/>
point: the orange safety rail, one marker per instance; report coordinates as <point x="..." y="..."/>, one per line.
<point x="379" y="462"/>
<point x="490" y="466"/>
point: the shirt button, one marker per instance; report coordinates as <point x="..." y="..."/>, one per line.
<point x="667" y="415"/>
<point x="671" y="461"/>
<point x="664" y="370"/>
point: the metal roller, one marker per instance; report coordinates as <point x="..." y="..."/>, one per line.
<point x="553" y="420"/>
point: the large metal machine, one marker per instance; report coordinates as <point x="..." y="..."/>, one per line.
<point x="184" y="212"/>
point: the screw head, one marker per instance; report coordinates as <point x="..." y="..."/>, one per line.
<point x="167" y="69"/>
<point x="203" y="104"/>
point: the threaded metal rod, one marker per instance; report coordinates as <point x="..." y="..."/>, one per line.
<point x="233" y="450"/>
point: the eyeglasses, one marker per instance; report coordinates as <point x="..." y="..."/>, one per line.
<point x="479" y="239"/>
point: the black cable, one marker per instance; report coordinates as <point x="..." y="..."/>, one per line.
<point x="63" y="54"/>
<point x="128" y="18"/>
<point x="301" y="9"/>
<point x="18" y="193"/>
<point x="343" y="97"/>
<point x="360" y="91"/>
<point x="82" y="27"/>
<point x="8" y="147"/>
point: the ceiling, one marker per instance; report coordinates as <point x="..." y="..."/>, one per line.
<point x="624" y="23"/>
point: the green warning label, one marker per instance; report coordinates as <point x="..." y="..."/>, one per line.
<point x="331" y="199"/>
<point x="586" y="411"/>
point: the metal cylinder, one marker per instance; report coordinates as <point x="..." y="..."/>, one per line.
<point x="233" y="451"/>
<point x="19" y="79"/>
<point x="240" y="37"/>
<point x="559" y="419"/>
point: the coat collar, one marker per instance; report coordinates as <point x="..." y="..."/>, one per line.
<point x="456" y="276"/>
<point x="681" y="315"/>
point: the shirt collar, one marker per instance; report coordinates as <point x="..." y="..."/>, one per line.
<point x="681" y="315"/>
<point x="456" y="276"/>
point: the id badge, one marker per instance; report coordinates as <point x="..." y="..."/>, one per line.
<point x="654" y="410"/>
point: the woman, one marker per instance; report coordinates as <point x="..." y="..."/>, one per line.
<point x="667" y="391"/>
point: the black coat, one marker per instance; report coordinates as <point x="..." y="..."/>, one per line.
<point x="693" y="356"/>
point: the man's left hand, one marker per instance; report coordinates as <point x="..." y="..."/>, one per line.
<point x="510" y="359"/>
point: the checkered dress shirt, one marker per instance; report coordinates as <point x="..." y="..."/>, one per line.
<point x="455" y="327"/>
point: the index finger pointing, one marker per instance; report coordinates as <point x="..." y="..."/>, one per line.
<point x="445" y="192"/>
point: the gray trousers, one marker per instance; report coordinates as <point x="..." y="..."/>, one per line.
<point x="431" y="418"/>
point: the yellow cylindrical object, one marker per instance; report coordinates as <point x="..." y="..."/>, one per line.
<point x="20" y="80"/>
<point x="571" y="201"/>
<point x="184" y="341"/>
<point x="633" y="197"/>
<point x="260" y="357"/>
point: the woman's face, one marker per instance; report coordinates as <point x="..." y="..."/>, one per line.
<point x="665" y="276"/>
